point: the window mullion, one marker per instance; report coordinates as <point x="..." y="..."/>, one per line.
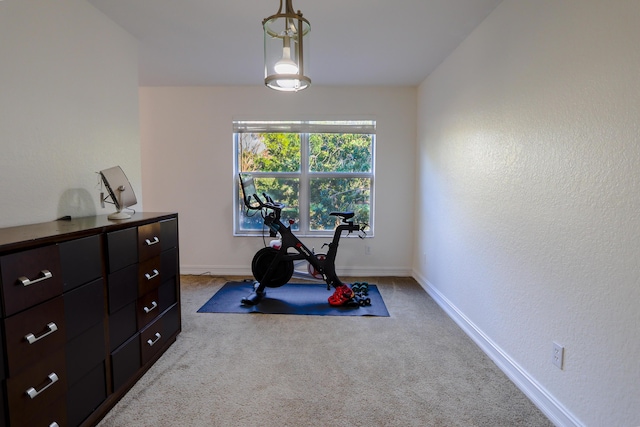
<point x="304" y="183"/>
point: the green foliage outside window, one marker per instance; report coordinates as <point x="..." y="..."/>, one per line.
<point x="337" y="194"/>
<point x="331" y="152"/>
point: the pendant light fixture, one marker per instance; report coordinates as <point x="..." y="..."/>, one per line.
<point x="285" y="35"/>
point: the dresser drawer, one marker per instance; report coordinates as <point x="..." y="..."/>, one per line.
<point x="3" y="406"/>
<point x="169" y="233"/>
<point x="151" y="340"/>
<point x="36" y="388"/>
<point x="81" y="261"/>
<point x="2" y="372"/>
<point x="171" y="321"/>
<point x="123" y="287"/>
<point x="47" y="416"/>
<point x="149" y="275"/>
<point x="125" y="362"/>
<point x="84" y="353"/>
<point x="122" y="325"/>
<point x="149" y="244"/>
<point x="30" y="277"/>
<point x="34" y="334"/>
<point x="86" y="395"/>
<point x="122" y="248"/>
<point x="168" y="293"/>
<point x="147" y="308"/>
<point x="84" y="307"/>
<point x="169" y="263"/>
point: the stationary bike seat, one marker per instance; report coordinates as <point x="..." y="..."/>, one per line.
<point x="343" y="215"/>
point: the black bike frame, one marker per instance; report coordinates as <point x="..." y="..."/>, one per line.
<point x="325" y="266"/>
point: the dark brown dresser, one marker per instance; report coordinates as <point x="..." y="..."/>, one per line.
<point x="87" y="306"/>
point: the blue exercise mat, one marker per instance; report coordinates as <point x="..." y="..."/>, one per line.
<point x="292" y="298"/>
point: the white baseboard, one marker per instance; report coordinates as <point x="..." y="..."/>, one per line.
<point x="245" y="270"/>
<point x="553" y="409"/>
<point x="215" y="270"/>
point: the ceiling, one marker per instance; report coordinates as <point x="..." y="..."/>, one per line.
<point x="352" y="42"/>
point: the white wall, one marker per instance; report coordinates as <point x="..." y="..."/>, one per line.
<point x="529" y="199"/>
<point x="68" y="108"/>
<point x="187" y="163"/>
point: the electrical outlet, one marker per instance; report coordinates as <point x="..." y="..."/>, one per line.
<point x="558" y="355"/>
<point x="367" y="250"/>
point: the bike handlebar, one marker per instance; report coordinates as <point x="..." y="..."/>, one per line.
<point x="270" y="204"/>
<point x="249" y="194"/>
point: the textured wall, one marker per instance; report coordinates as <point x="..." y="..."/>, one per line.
<point x="68" y="108"/>
<point x="529" y="214"/>
<point x="187" y="152"/>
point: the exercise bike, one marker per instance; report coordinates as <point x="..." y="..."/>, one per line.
<point x="273" y="265"/>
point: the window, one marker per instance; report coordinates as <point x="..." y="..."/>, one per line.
<point x="313" y="167"/>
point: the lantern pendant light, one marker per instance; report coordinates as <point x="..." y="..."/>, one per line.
<point x="285" y="35"/>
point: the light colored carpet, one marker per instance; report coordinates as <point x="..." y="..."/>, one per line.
<point x="415" y="368"/>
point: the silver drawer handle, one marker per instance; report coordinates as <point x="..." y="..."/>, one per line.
<point x="46" y="274"/>
<point x="32" y="338"/>
<point x="152" y="342"/>
<point x="153" y="306"/>
<point x="152" y="242"/>
<point x="152" y="276"/>
<point x="32" y="392"/>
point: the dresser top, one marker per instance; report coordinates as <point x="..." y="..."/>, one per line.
<point x="22" y="236"/>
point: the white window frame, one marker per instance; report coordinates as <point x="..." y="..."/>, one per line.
<point x="304" y="128"/>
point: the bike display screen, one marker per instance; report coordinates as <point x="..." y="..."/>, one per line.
<point x="248" y="189"/>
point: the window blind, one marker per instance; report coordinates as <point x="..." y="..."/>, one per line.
<point x="257" y="126"/>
